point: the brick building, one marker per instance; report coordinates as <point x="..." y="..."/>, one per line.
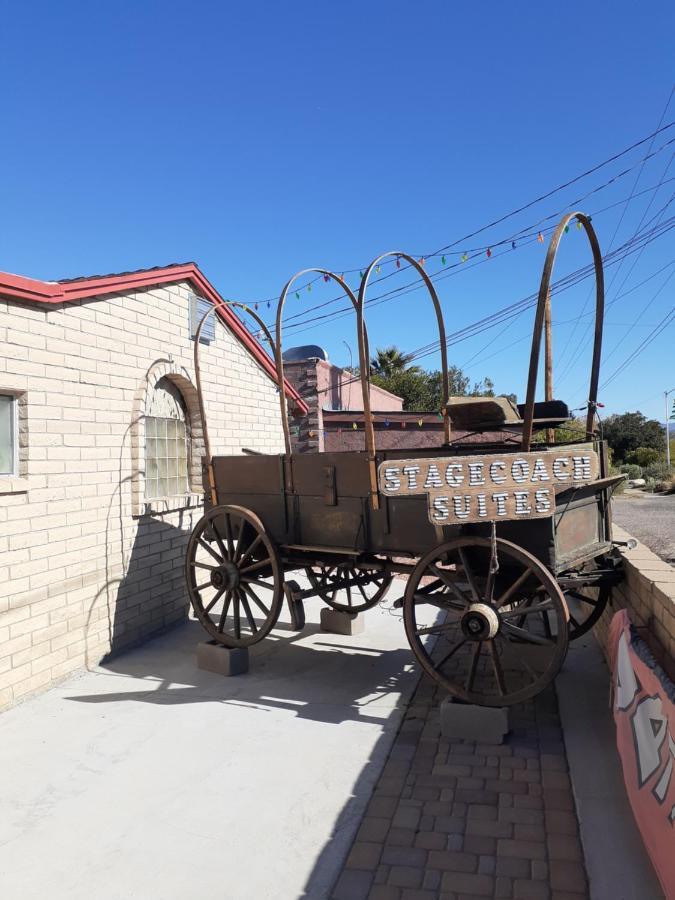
<point x="100" y="457"/>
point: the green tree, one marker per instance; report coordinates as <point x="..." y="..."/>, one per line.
<point x="421" y="390"/>
<point x="628" y="431"/>
<point x="389" y="360"/>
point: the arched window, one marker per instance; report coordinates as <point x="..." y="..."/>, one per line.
<point x="167" y="442"/>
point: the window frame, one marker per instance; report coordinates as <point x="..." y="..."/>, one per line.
<point x="14" y="432"/>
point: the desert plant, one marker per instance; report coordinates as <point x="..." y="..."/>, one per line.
<point x="631" y="469"/>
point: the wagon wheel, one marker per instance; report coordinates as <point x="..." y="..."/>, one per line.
<point x="234" y="576"/>
<point x="481" y="635"/>
<point x="348" y="587"/>
<point x="585" y="611"/>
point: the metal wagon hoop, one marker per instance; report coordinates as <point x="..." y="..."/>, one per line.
<point x="219" y="306"/>
<point x="362" y="338"/>
<point x="543" y="308"/>
<point x="367" y="414"/>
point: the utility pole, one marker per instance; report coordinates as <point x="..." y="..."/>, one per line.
<point x="668" y="418"/>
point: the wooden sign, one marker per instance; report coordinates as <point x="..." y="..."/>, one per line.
<point x="491" y="487"/>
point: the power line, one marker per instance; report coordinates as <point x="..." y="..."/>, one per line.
<point x="516" y="309"/>
<point x="618" y="226"/>
<point x="520" y="209"/>
<point x="662" y="325"/>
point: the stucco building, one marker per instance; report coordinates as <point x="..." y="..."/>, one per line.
<point x="100" y="457"/>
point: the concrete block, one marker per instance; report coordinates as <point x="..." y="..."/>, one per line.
<point x="337" y="622"/>
<point x="484" y="724"/>
<point x="213" y="657"/>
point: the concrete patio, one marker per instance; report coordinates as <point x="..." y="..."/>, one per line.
<point x="312" y="776"/>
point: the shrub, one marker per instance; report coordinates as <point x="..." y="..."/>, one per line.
<point x="657" y="471"/>
<point x="632" y="470"/>
<point x="643" y="456"/>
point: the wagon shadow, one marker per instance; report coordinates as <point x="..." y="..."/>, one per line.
<point x="317" y="679"/>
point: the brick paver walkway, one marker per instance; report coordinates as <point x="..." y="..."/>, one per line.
<point x="456" y="820"/>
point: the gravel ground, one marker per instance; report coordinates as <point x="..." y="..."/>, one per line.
<point x="648" y="517"/>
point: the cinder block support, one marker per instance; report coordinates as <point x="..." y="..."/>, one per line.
<point x="213" y="657"/>
<point x="336" y="622"/>
<point x="484" y="724"/>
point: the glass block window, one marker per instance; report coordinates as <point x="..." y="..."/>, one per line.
<point x="166" y="443"/>
<point x="7" y="434"/>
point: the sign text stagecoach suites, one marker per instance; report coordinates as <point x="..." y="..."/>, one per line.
<point x="496" y="486"/>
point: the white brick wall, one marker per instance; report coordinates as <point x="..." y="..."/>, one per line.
<point x="82" y="571"/>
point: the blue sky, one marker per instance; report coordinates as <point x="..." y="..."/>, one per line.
<point x="261" y="138"/>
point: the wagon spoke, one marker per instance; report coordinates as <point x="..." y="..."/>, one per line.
<point x="439" y="573"/>
<point x="524" y="635"/>
<point x="216" y="598"/>
<point x="250" y="550"/>
<point x="469" y="575"/>
<point x="363" y="593"/>
<point x="247" y="610"/>
<point x="262" y="584"/>
<point x="438" y="601"/>
<point x="497" y="666"/>
<point x="223" y="615"/>
<point x="252" y="594"/>
<point x="591" y="601"/>
<point x="450" y="653"/>
<point x="228" y="535"/>
<point x="473" y="666"/>
<point x="256" y="566"/>
<point x="509" y="592"/>
<point x="220" y="560"/>
<point x="518" y="657"/>
<point x="349" y="594"/>
<point x="200" y="587"/>
<point x="525" y="610"/>
<point x="199" y="565"/>
<point x="240" y="534"/>
<point x="237" y="615"/>
<point x="219" y="540"/>
<point x="437" y="629"/>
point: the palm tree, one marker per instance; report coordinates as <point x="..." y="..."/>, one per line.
<point x="389" y="360"/>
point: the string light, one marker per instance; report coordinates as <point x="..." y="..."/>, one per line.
<point x="309" y="287"/>
<point x="325" y="277"/>
<point x="443" y="260"/>
<point x="354" y="426"/>
<point x="578" y="225"/>
<point x="377" y="270"/>
<point x="398" y="262"/>
<point x="386" y="423"/>
<point x="422" y="261"/>
<point x="567" y="229"/>
<point x="465" y="256"/>
<point x="540" y="238"/>
<point x="513" y="245"/>
<point x="420" y="422"/>
<point x="488" y="253"/>
<point x="360" y="273"/>
<point x="297" y="295"/>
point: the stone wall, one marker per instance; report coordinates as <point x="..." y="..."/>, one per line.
<point x="86" y="565"/>
<point x="648" y="593"/>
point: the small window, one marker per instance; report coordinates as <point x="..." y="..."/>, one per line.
<point x="198" y="309"/>
<point x="8" y="453"/>
<point x="166" y="443"/>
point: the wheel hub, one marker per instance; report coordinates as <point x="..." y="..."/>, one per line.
<point x="480" y="622"/>
<point x="225" y="576"/>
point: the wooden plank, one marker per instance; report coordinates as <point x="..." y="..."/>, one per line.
<point x="495" y="486"/>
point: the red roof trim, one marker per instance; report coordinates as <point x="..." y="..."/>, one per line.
<point x="19" y="288"/>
